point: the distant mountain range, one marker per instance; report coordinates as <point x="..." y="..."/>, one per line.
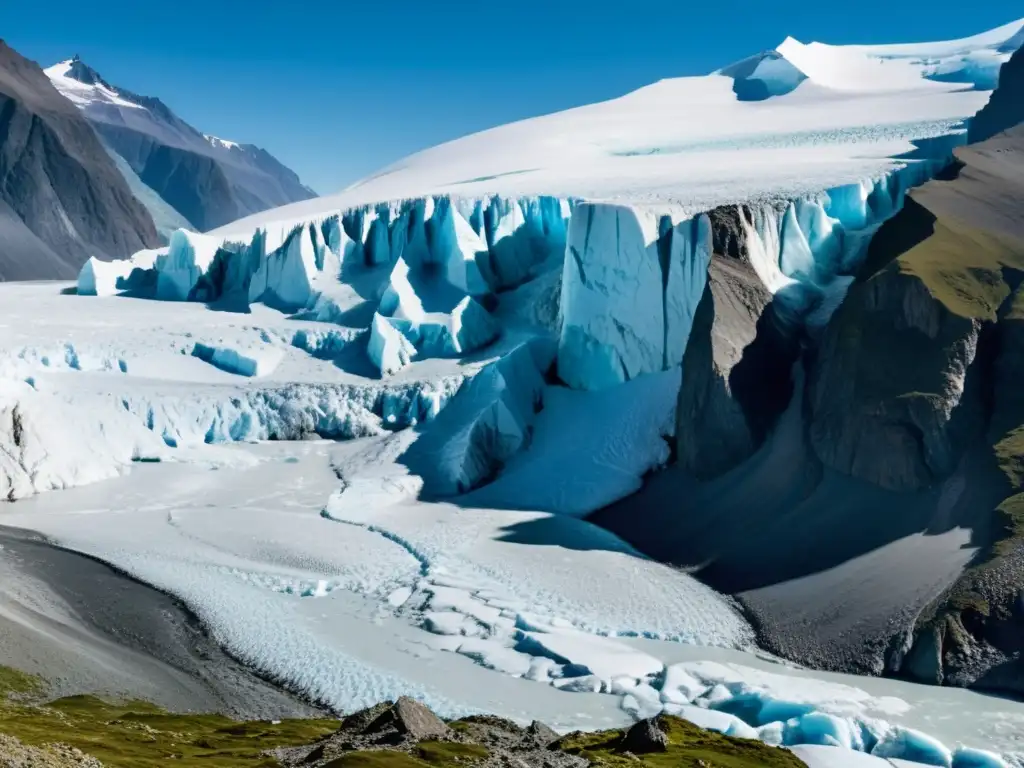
<point x="61" y="197"/>
<point x="88" y="169"/>
<point x="208" y="181"/>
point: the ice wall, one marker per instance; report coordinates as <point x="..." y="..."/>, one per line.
<point x="631" y="282"/>
<point x="423" y="262"/>
<point x="632" y="276"/>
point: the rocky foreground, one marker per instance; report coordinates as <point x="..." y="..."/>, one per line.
<point x="87" y="732"/>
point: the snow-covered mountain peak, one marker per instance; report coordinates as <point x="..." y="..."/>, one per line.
<point x="213" y="181"/>
<point x="83" y="73"/>
<point x="220" y="143"/>
<point x="84" y="87"/>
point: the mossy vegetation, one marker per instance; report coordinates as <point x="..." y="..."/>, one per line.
<point x="688" y="747"/>
<point x="18" y="684"/>
<point x="964" y="268"/>
<point x="427" y="754"/>
<point x="138" y="735"/>
<point x="1011" y="513"/>
<point x="448" y="752"/>
<point x="376" y="759"/>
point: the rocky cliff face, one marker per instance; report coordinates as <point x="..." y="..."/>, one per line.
<point x="1006" y="107"/>
<point x="737" y="382"/>
<point x="61" y="198"/>
<point x="877" y="524"/>
<point x="886" y="392"/>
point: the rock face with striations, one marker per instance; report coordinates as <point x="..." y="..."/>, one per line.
<point x="737" y="381"/>
<point x="1006" y="106"/>
<point x="919" y="376"/>
<point x="62" y="199"/>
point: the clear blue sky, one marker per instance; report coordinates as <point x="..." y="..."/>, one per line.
<point x="336" y="89"/>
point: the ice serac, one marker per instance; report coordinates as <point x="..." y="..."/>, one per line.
<point x="485" y="425"/>
<point x="101" y="278"/>
<point x="286" y="270"/>
<point x="186" y="260"/>
<point x="631" y="282"/>
<point x="524" y="236"/>
<point x="388" y="348"/>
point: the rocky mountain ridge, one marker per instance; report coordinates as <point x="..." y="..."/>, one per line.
<point x="208" y="181"/>
<point x="62" y="199"/>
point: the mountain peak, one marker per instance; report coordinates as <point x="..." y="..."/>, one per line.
<point x="83" y="73"/>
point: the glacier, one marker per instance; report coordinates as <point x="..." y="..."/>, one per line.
<point x="491" y="333"/>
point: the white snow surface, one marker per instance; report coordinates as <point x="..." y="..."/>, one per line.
<point x="692" y="142"/>
<point x="317" y="564"/>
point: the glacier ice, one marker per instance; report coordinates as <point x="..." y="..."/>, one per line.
<point x="763" y="76"/>
<point x="101" y="278"/>
<point x="631" y="282"/>
<point x="965" y="757"/>
<point x="388" y="348"/>
<point x="488" y="423"/>
<point x="36" y="456"/>
<point x="253" y="361"/>
<point x="912" y="745"/>
<point x="185" y="261"/>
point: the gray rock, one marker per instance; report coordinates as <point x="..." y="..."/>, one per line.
<point x="644" y="737"/>
<point x="541" y="733"/>
<point x="408" y="719"/>
<point x="1005" y="109"/>
<point x="737" y="362"/>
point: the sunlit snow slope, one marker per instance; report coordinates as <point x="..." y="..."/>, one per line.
<point x="695" y="142"/>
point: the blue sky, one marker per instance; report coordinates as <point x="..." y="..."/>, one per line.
<point x="336" y="89"/>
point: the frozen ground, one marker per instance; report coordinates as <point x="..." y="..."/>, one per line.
<point x="315" y="563"/>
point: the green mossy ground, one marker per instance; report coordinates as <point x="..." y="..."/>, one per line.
<point x="688" y="747"/>
<point x="964" y="268"/>
<point x="139" y="735"/>
<point x="428" y="754"/>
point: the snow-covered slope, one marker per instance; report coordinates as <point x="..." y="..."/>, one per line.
<point x="694" y="142"/>
<point x="207" y="180"/>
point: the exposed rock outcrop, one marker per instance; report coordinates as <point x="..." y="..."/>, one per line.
<point x="736" y="381"/>
<point x="62" y="199"/>
<point x="1006" y="107"/>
